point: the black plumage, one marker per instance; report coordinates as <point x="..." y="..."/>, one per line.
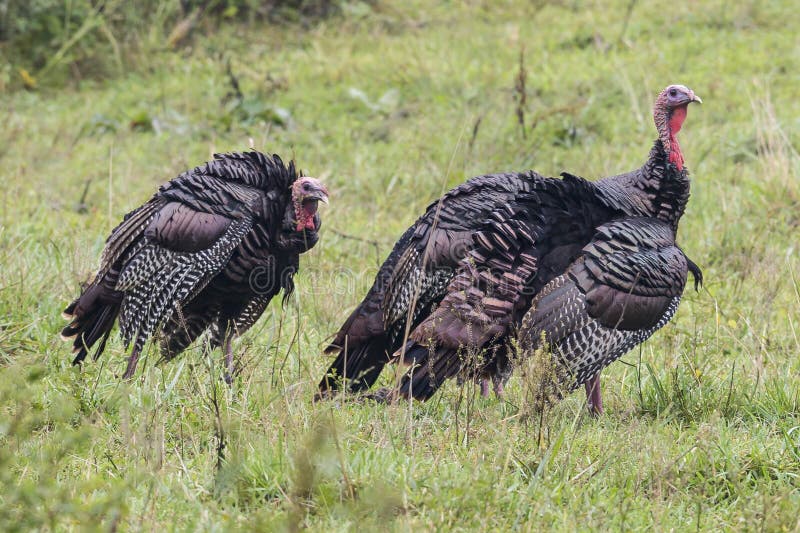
<point x="208" y="251"/>
<point x="625" y="285"/>
<point x="453" y="314"/>
<point x="414" y="278"/>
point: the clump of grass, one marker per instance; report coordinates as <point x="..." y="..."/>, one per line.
<point x="540" y="378"/>
<point x="700" y="434"/>
<point x="40" y="428"/>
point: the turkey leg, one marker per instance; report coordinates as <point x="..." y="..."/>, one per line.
<point x="593" y="398"/>
<point x="485" y="387"/>
<point x="227" y="347"/>
<point x="133" y="360"/>
<point x="497" y="386"/>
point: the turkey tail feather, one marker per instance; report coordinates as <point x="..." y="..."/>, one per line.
<point x="84" y="331"/>
<point x="420" y="382"/>
<point x="359" y="367"/>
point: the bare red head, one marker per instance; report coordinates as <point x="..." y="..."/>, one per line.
<point x="306" y="194"/>
<point x="669" y="113"/>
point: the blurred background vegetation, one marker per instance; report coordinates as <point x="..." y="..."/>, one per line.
<point x="59" y="41"/>
<point x="391" y="103"/>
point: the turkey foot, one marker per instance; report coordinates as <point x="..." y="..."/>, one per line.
<point x="385" y="395"/>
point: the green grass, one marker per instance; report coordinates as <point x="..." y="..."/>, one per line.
<point x="702" y="429"/>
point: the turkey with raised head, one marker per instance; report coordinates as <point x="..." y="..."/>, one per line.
<point x="457" y="284"/>
<point x="208" y="251"/>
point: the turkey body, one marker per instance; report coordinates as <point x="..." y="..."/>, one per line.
<point x="207" y="252"/>
<point x="454" y="290"/>
<point x="480" y="253"/>
<point x="415" y="277"/>
<point x="624" y="286"/>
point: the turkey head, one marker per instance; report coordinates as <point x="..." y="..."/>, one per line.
<point x="669" y="113"/>
<point x="307" y="192"/>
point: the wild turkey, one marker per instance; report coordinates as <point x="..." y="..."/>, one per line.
<point x="208" y="251"/>
<point x="459" y="281"/>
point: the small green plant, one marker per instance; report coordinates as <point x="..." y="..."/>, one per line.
<point x="700" y="430"/>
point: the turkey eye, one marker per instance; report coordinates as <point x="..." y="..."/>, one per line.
<point x="305" y="186"/>
<point x="673" y="92"/>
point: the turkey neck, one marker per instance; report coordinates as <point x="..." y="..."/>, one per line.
<point x="658" y="189"/>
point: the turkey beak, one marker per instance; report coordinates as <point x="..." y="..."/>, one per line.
<point x="695" y="98"/>
<point x="318" y="193"/>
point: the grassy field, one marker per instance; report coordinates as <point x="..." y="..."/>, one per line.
<point x="391" y="104"/>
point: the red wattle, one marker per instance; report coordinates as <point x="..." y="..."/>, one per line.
<point x="676" y="119"/>
<point x="305" y="223"/>
<point x="675" y="155"/>
<point x="305" y="216"/>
